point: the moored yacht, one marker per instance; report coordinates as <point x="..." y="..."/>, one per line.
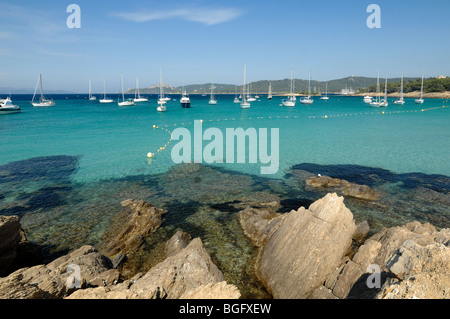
<point x="400" y="100"/>
<point x="185" y="100"/>
<point x="244" y="103"/>
<point x="325" y="97"/>
<point x="420" y="99"/>
<point x="6" y="107"/>
<point x="308" y="100"/>
<point x="290" y="101"/>
<point x="137" y="94"/>
<point x="42" y="100"/>
<point x="367" y="99"/>
<point x="105" y="99"/>
<point x="124" y="102"/>
<point x="212" y="100"/>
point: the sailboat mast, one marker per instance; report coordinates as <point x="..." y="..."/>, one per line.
<point x="421" y="89"/>
<point x="401" y="88"/>
<point x="121" y="77"/>
<point x="243" y="87"/>
<point x="378" y="87"/>
<point x="42" y="91"/>
<point x="309" y="84"/>
<point x="104" y="89"/>
<point x="385" y="90"/>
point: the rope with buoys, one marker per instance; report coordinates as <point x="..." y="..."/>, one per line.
<point x="326" y="116"/>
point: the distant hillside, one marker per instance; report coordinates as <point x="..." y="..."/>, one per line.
<point x="353" y="83"/>
<point x="8" y="90"/>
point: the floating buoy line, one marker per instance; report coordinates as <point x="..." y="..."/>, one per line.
<point x="165" y="128"/>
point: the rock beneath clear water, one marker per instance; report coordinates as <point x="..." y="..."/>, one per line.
<point x="15" y="250"/>
<point x="177" y="242"/>
<point x="80" y="268"/>
<point x="305" y="248"/>
<point x="257" y="223"/>
<point x="10" y="237"/>
<point x="130" y="229"/>
<point x="344" y="187"/>
<point x="361" y="231"/>
<point x="186" y="273"/>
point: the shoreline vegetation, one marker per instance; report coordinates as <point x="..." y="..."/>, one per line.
<point x="434" y="88"/>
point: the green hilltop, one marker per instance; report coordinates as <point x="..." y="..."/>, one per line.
<point x="351" y="83"/>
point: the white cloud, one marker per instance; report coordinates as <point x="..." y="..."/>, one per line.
<point x="209" y="16"/>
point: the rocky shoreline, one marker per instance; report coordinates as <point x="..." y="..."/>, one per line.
<point x="317" y="252"/>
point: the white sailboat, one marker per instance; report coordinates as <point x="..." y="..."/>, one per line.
<point x="42" y="100"/>
<point x="269" y="94"/>
<point x="161" y="101"/>
<point x="308" y="99"/>
<point x="137" y="94"/>
<point x="6" y="107"/>
<point x="185" y="100"/>
<point x="250" y="98"/>
<point x="377" y="101"/>
<point x="244" y="104"/>
<point x="91" y="97"/>
<point x="290" y="102"/>
<point x="212" y="100"/>
<point x="325" y="97"/>
<point x="236" y="99"/>
<point x="400" y="100"/>
<point x="384" y="102"/>
<point x="124" y="102"/>
<point x="105" y="99"/>
<point x="420" y="99"/>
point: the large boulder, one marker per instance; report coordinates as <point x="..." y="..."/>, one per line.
<point x="81" y="268"/>
<point x="15" y="250"/>
<point x="305" y="248"/>
<point x="10" y="237"/>
<point x="187" y="272"/>
<point x="396" y="252"/>
<point x="418" y="272"/>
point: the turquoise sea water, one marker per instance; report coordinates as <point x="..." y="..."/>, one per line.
<point x="114" y="141"/>
<point x="65" y="169"/>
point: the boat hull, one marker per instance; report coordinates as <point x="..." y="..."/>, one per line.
<point x="288" y="103"/>
<point x="309" y="102"/>
<point x="245" y="105"/>
<point x="126" y="103"/>
<point x="185" y="105"/>
<point x="106" y="101"/>
<point x="212" y="102"/>
<point x="43" y="104"/>
<point x="140" y="100"/>
<point x="4" y="111"/>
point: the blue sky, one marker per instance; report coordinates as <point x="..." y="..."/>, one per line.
<point x="192" y="40"/>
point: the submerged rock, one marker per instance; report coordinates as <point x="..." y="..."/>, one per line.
<point x="344" y="187"/>
<point x="128" y="233"/>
